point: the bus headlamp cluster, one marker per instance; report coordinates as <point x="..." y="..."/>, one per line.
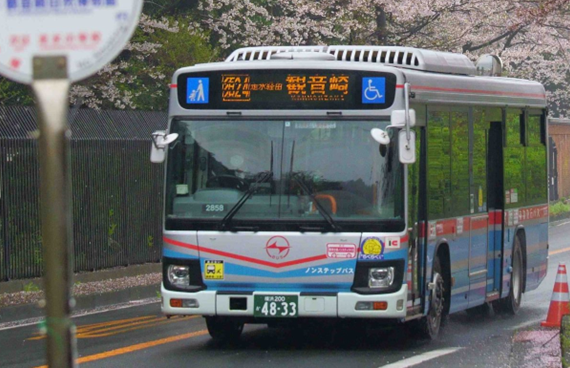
<point x="179" y="276"/>
<point x="380" y="277"/>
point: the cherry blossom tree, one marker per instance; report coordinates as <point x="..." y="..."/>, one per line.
<point x="139" y="77"/>
<point x="530" y="36"/>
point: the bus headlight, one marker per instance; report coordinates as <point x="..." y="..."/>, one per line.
<point x="380" y="277"/>
<point x="179" y="276"/>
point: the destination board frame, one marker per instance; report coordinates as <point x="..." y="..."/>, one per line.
<point x="270" y="90"/>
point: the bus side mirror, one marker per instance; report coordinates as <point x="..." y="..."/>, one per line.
<point x="160" y="140"/>
<point x="398" y="118"/>
<point x="407" y="148"/>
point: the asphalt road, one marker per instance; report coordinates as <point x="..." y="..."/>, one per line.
<point x="141" y="337"/>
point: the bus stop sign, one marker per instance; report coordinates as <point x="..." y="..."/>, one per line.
<point x="89" y="33"/>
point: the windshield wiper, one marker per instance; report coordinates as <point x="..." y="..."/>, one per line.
<point x="319" y="206"/>
<point x="244" y="198"/>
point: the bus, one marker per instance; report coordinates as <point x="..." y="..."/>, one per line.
<point x="351" y="182"/>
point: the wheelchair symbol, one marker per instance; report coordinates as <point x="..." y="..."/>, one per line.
<point x="373" y="91"/>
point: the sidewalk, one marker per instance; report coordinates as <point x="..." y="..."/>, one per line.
<point x="20" y="299"/>
<point x="535" y="347"/>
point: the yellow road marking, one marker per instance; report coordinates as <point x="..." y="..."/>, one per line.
<point x="559" y="251"/>
<point x="99" y="334"/>
<point x="114" y="322"/>
<point x="136" y="347"/>
<point x="111" y="328"/>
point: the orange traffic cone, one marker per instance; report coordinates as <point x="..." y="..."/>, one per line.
<point x="559" y="304"/>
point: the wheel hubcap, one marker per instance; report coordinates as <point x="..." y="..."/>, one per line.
<point x="436" y="300"/>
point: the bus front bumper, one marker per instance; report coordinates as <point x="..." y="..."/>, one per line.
<point x="343" y="304"/>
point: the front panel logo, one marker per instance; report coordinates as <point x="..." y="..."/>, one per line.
<point x="372" y="248"/>
<point x="197" y="90"/>
<point x="277" y="247"/>
<point x="373" y="90"/>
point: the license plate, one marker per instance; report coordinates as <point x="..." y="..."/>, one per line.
<point x="275" y="305"/>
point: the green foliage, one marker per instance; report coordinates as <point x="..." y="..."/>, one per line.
<point x="12" y="93"/>
<point x="150" y="241"/>
<point x="112" y="224"/>
<point x="559" y="208"/>
<point x="31" y="287"/>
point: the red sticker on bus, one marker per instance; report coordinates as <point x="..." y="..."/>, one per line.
<point x="341" y="250"/>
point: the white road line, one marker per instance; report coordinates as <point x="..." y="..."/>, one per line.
<point x="88" y="312"/>
<point x="410" y="362"/>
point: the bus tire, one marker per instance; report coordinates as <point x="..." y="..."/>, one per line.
<point x="224" y="329"/>
<point x="428" y="326"/>
<point x="512" y="303"/>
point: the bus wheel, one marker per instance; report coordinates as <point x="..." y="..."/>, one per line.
<point x="512" y="303"/>
<point x="224" y="329"/>
<point x="429" y="325"/>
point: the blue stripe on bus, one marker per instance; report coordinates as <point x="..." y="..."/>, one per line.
<point x="271" y="286"/>
<point x="173" y="254"/>
<point x="329" y="269"/>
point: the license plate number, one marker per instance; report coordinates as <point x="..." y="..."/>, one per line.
<point x="275" y="305"/>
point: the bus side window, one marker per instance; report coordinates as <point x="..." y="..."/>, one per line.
<point x="514" y="161"/>
<point x="536" y="181"/>
<point x="438" y="165"/>
<point x="459" y="163"/>
<point x="479" y="168"/>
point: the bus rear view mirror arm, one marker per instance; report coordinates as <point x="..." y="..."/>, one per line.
<point x="160" y="140"/>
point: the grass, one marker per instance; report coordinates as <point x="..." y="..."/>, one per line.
<point x="559" y="207"/>
<point x="31" y="287"/>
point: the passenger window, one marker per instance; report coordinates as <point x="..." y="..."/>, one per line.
<point x="481" y="121"/>
<point x="536" y="181"/>
<point x="459" y="163"/>
<point x="514" y="161"/>
<point x="438" y="170"/>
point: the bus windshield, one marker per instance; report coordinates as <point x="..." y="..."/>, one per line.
<point x="297" y="171"/>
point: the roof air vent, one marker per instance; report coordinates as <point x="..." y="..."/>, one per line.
<point x="490" y="65"/>
<point x="401" y="57"/>
<point x="303" y="56"/>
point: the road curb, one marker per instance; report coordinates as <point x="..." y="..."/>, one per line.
<point x="82" y="302"/>
<point x="15" y="286"/>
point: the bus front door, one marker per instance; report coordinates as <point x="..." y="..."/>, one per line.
<point x="496" y="208"/>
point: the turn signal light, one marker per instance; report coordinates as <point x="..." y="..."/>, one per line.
<point x="380" y="305"/>
<point x="176" y="303"/>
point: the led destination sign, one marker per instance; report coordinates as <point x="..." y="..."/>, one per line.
<point x="286" y="89"/>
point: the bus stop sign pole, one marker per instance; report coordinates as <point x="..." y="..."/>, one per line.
<point x="51" y="86"/>
<point x="36" y="55"/>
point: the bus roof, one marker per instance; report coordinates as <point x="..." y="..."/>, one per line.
<point x="435" y="77"/>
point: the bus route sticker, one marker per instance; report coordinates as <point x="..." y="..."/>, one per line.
<point x="213" y="269"/>
<point x="372" y="248"/>
<point x="341" y="250"/>
<point x="89" y="33"/>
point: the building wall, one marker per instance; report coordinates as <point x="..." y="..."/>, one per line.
<point x="559" y="130"/>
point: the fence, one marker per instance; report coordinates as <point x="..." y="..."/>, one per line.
<point x="117" y="192"/>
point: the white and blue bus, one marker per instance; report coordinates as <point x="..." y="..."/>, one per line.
<point x="361" y="182"/>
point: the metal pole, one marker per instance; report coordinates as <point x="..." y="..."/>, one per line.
<point x="51" y="88"/>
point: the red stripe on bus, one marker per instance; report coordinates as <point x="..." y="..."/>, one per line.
<point x="477" y="91"/>
<point x="180" y="244"/>
<point x="243" y="258"/>
<point x="174" y="86"/>
<point x="496" y="217"/>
